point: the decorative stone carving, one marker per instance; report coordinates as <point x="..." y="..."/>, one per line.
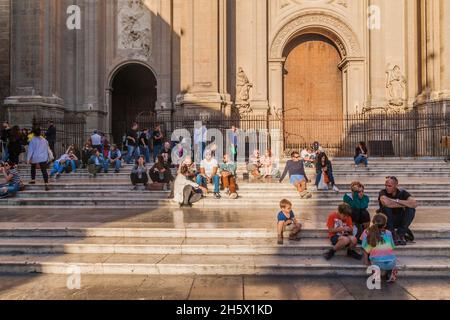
<point x="396" y="86"/>
<point x="243" y="87"/>
<point x="134" y="27"/>
<point x="343" y="3"/>
<point x="345" y="38"/>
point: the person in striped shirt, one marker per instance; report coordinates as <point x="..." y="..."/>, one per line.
<point x="379" y="246"/>
<point x="12" y="179"/>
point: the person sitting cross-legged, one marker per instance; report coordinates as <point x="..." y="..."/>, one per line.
<point x="67" y="159"/>
<point x="297" y="174"/>
<point x="187" y="192"/>
<point x="208" y="174"/>
<point x="400" y="208"/>
<point x="139" y="173"/>
<point x="12" y="179"/>
<point x="228" y="176"/>
<point x="359" y="202"/>
<point x="340" y="231"/>
<point x="161" y="173"/>
<point x="96" y="163"/>
<point x="114" y="159"/>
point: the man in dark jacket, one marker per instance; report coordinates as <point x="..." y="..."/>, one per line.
<point x="50" y="135"/>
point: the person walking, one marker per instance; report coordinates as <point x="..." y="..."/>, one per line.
<point x="38" y="155"/>
<point x="15" y="145"/>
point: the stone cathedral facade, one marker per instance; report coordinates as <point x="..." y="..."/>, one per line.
<point x="112" y="60"/>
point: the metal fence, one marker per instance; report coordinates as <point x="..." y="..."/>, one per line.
<point x="69" y="130"/>
<point x="386" y="135"/>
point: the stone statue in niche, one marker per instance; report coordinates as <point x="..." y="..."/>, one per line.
<point x="396" y="85"/>
<point x="243" y="87"/>
<point x="134" y="27"/>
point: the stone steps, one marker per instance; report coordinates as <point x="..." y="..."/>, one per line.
<point x="243" y="193"/>
<point x="209" y="202"/>
<point x="126" y="264"/>
<point x="197" y="246"/>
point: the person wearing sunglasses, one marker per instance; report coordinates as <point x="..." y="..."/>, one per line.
<point x="296" y="169"/>
<point x="400" y="208"/>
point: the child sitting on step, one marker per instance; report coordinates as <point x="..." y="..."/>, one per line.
<point x="378" y="246"/>
<point x="287" y="218"/>
<point x="340" y="231"/>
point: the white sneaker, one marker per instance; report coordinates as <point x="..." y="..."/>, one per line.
<point x="335" y="189"/>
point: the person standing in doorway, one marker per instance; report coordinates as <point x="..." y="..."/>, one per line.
<point x="50" y="135"/>
<point x="38" y="156"/>
<point x="143" y="145"/>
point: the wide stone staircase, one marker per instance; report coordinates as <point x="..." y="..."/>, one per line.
<point x="101" y="226"/>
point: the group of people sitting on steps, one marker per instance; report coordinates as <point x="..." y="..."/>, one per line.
<point x="351" y="225"/>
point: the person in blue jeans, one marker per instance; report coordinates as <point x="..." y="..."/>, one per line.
<point x="157" y="138"/>
<point x="67" y="159"/>
<point x="12" y="179"/>
<point x="208" y="174"/>
<point x="143" y="145"/>
<point x="399" y="207"/>
<point x="133" y="144"/>
<point x="114" y="159"/>
<point x="361" y="154"/>
<point x="96" y="163"/>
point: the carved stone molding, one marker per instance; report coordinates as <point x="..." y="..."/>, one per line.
<point x="318" y="22"/>
<point x="285" y="3"/>
<point x="134" y="28"/>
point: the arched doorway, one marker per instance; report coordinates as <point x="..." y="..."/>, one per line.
<point x="134" y="94"/>
<point x="313" y="93"/>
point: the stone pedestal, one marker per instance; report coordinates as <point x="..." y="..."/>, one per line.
<point x="20" y="110"/>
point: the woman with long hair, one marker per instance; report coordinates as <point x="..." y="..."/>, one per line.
<point x="324" y="169"/>
<point x="379" y="246"/>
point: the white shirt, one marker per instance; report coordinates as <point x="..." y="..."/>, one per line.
<point x="305" y="154"/>
<point x="96" y="140"/>
<point x="180" y="182"/>
<point x="208" y="166"/>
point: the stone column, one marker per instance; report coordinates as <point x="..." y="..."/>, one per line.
<point x="200" y="63"/>
<point x="435" y="40"/>
<point x="276" y="85"/>
<point x="5" y="11"/>
<point x="92" y="102"/>
<point x="259" y="98"/>
<point x="33" y="46"/>
<point x="164" y="55"/>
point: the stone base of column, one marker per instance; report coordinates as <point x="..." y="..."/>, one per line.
<point x="202" y="104"/>
<point x="20" y="110"/>
<point x="440" y="105"/>
<point x="259" y="107"/>
<point x="96" y="120"/>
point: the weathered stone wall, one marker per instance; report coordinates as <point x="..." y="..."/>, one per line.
<point x="4" y="50"/>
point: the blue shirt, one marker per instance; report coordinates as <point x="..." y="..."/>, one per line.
<point x="282" y="216"/>
<point x="38" y="150"/>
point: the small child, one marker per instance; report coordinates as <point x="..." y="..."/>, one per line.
<point x="379" y="247"/>
<point x="340" y="231"/>
<point x="286" y="218"/>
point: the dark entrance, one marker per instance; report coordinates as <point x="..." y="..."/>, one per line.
<point x="133" y="95"/>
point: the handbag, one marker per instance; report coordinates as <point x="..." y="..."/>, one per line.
<point x="51" y="157"/>
<point x="326" y="178"/>
<point x="322" y="185"/>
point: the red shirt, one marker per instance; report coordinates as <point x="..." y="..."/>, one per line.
<point x="334" y="221"/>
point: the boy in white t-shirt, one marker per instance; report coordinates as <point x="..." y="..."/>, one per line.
<point x="208" y="174"/>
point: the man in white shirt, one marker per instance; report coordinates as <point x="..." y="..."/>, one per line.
<point x="96" y="141"/>
<point x="208" y="174"/>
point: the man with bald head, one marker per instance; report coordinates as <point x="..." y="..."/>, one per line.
<point x="399" y="207"/>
